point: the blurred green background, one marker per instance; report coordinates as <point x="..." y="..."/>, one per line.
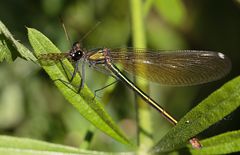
<point x="31" y="106"/>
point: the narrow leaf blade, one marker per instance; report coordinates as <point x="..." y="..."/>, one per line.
<point x="85" y="103"/>
<point x="211" y="110"/>
<point x="25" y="146"/>
<point x="10" y="48"/>
<point x="226" y="143"/>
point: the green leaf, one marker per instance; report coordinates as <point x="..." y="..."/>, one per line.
<point x="85" y="103"/>
<point x="10" y="48"/>
<point x="211" y="110"/>
<point x="5" y="52"/>
<point x="24" y="146"/>
<point x="226" y="143"/>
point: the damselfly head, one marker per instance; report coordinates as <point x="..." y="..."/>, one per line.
<point x="76" y="52"/>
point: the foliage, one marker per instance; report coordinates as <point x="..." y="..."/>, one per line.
<point x="45" y="114"/>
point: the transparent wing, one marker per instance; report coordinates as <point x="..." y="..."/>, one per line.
<point x="184" y="67"/>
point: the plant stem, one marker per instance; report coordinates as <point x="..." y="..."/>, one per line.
<point x="139" y="41"/>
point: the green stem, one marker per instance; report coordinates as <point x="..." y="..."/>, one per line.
<point x="139" y="41"/>
<point x="138" y="30"/>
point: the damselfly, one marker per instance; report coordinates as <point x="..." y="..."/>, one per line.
<point x="179" y="68"/>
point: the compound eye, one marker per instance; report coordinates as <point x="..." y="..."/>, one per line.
<point x="77" y="55"/>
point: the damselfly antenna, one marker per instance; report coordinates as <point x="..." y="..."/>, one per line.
<point x="65" y="31"/>
<point x="84" y="36"/>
